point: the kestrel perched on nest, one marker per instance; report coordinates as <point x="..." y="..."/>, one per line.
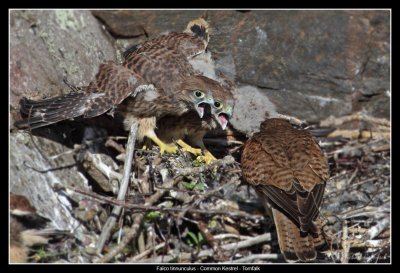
<point x="289" y="172"/>
<point x="176" y="46"/>
<point x="145" y="87"/>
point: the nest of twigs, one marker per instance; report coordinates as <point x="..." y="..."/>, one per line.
<point x="177" y="209"/>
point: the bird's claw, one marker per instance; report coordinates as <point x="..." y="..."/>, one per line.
<point x="170" y="149"/>
<point x="207" y="158"/>
<point x="188" y="148"/>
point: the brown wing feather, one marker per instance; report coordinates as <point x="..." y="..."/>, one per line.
<point x="287" y="166"/>
<point x="190" y="43"/>
<point x="161" y="66"/>
<point x="113" y="84"/>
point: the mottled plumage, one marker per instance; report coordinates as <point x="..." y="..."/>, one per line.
<point x="193" y="129"/>
<point x="191" y="42"/>
<point x="289" y="172"/>
<point x="113" y="83"/>
<point x="175" y="47"/>
<point x="146" y="86"/>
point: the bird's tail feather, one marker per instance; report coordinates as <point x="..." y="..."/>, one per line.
<point x="294" y="245"/>
<point x="52" y="110"/>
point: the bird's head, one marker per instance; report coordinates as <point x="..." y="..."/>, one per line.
<point x="200" y="28"/>
<point x="222" y="108"/>
<point x="222" y="111"/>
<point x="196" y="95"/>
<point x="271" y="123"/>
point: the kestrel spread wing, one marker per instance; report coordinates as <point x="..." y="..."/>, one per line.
<point x="289" y="172"/>
<point x="171" y="88"/>
<point x="163" y="61"/>
<point x="112" y="85"/>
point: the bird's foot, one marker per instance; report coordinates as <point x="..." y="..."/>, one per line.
<point x="186" y="147"/>
<point x="147" y="145"/>
<point x="164" y="148"/>
<point x="207" y="157"/>
<point x="168" y="148"/>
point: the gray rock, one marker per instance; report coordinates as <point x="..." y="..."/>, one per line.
<point x="47" y="46"/>
<point x="34" y="170"/>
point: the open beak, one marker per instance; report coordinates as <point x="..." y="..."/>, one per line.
<point x="222" y="119"/>
<point x="200" y="109"/>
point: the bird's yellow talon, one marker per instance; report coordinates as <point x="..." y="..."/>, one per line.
<point x="188" y="148"/>
<point x="207" y="158"/>
<point x="166" y="148"/>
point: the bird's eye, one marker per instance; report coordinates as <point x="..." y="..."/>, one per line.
<point x="198" y="94"/>
<point x="217" y="104"/>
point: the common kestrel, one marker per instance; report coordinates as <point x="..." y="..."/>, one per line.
<point x="145" y="87"/>
<point x="288" y="171"/>
<point x="175" y="47"/>
<point x="188" y="126"/>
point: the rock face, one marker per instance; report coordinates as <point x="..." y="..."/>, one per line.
<point x="34" y="172"/>
<point x="45" y="47"/>
<point x="310" y="64"/>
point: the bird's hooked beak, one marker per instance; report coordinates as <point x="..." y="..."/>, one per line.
<point x="222" y="119"/>
<point x="200" y="106"/>
<point x="223" y="116"/>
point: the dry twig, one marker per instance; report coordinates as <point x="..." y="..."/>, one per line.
<point x="122" y="190"/>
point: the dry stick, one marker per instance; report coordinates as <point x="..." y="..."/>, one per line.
<point x="289" y="118"/>
<point x="103" y="168"/>
<point x="133" y="231"/>
<point x="332" y="121"/>
<point x="111" y="143"/>
<point x="145" y="208"/>
<point x="374" y="231"/>
<point x="208" y="253"/>
<point x="146" y="252"/>
<point x="344" y="259"/>
<point x="230" y="235"/>
<point x="256" y="257"/>
<point x="122" y="190"/>
<point x="169" y="183"/>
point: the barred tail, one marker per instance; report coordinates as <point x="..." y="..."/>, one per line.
<point x="294" y="245"/>
<point x="52" y="110"/>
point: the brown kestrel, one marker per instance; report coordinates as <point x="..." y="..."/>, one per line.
<point x="289" y="171"/>
<point x="193" y="129"/>
<point x="175" y="47"/>
<point x="145" y="87"/>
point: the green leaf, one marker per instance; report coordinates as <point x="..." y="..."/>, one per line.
<point x="189" y="185"/>
<point x="200" y="239"/>
<point x="153" y="215"/>
<point x="193" y="237"/>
